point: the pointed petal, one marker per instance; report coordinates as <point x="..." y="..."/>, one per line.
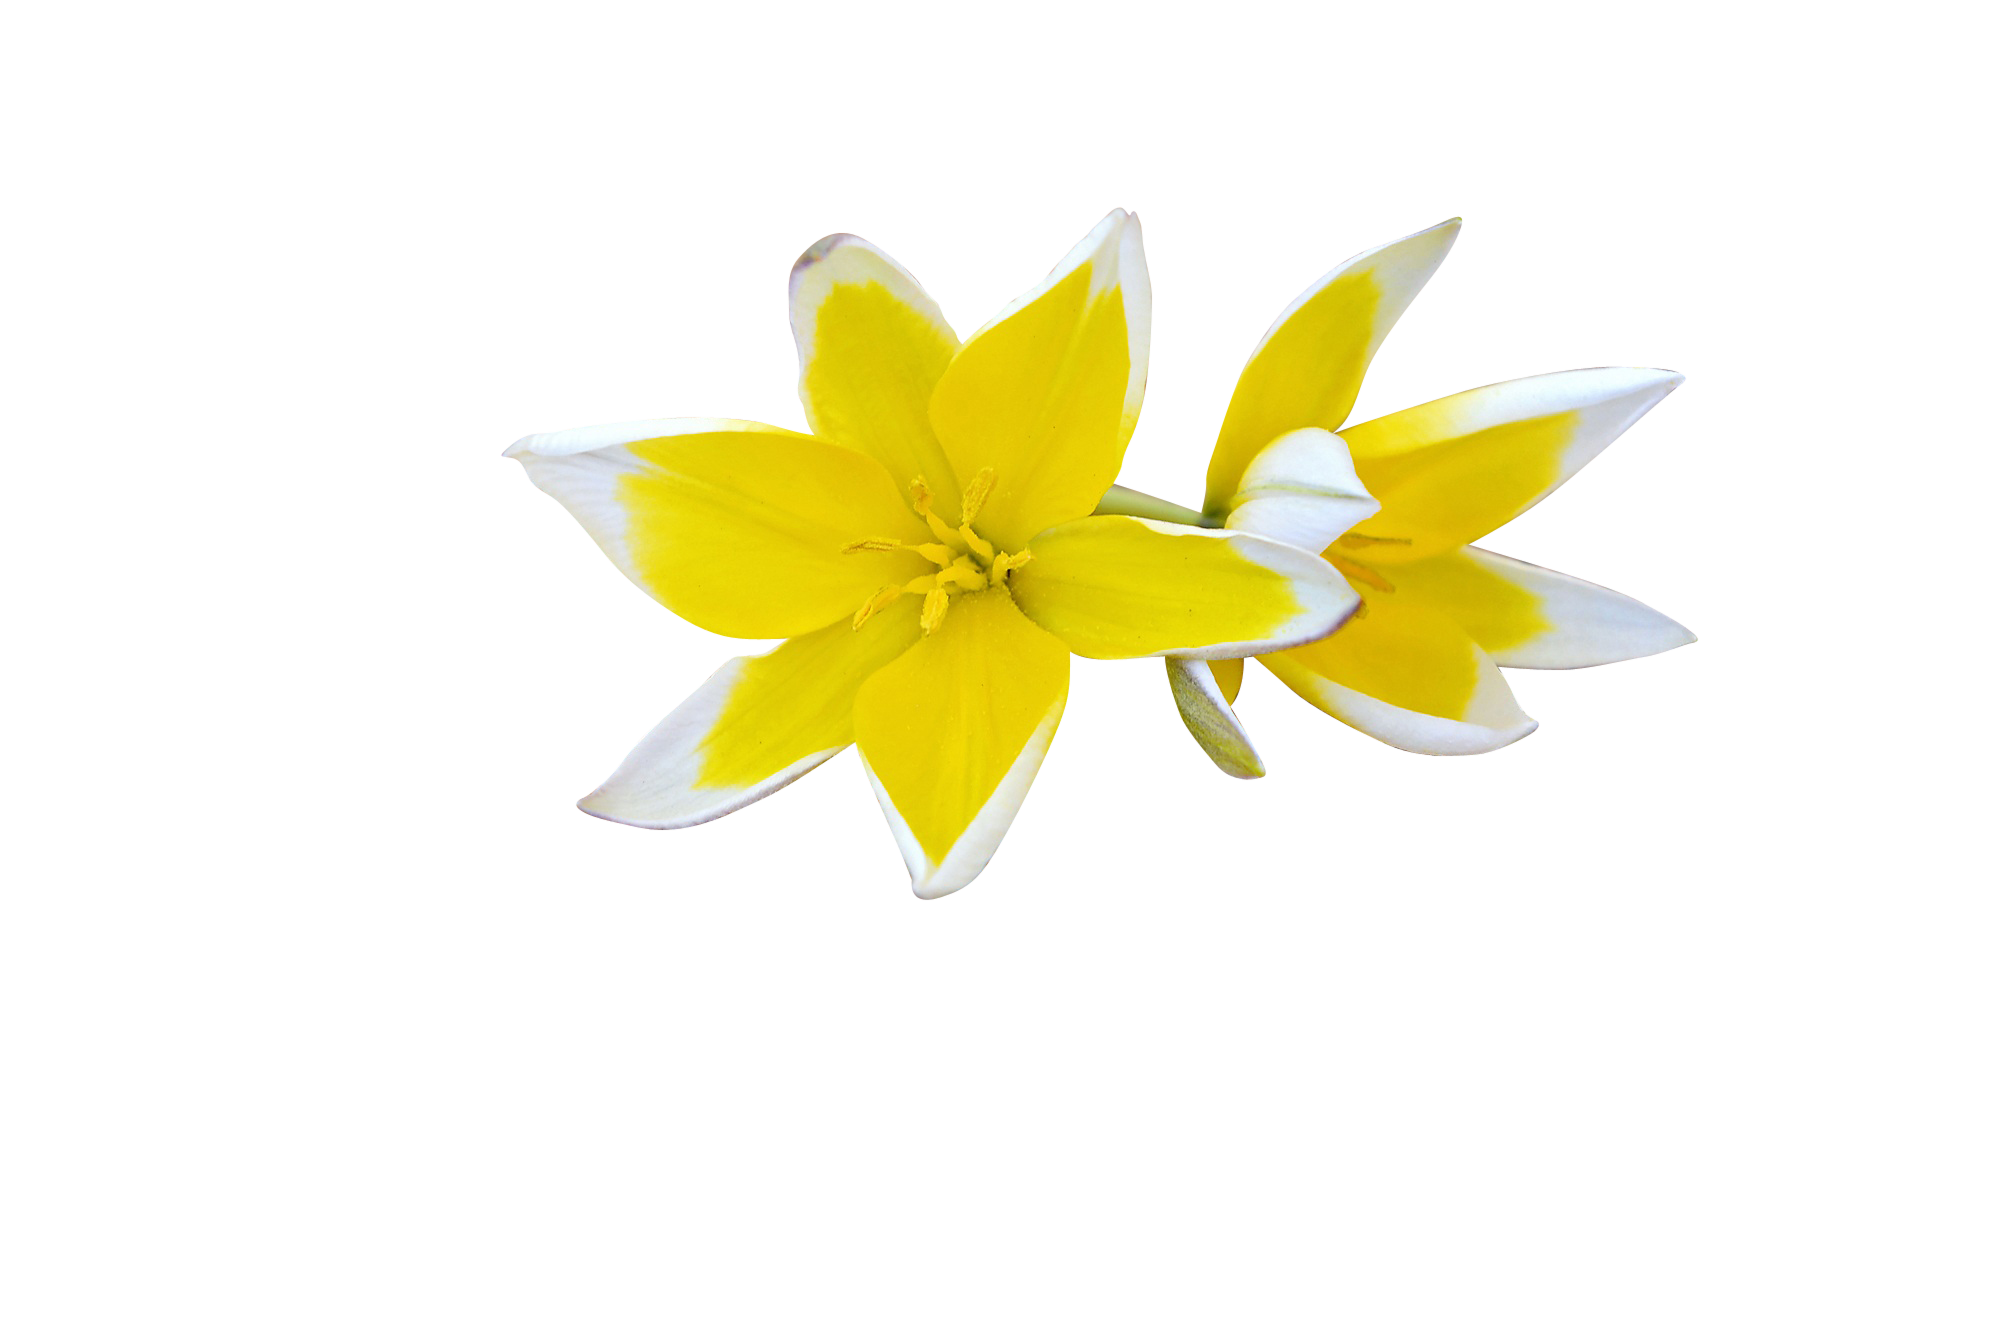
<point x="1407" y="675"/>
<point x="1047" y="394"/>
<point x="1136" y="587"/>
<point x="1308" y="368"/>
<point x="1301" y="489"/>
<point x="1210" y="719"/>
<point x="1453" y="470"/>
<point x="1527" y="616"/>
<point x="736" y="526"/>
<point x="872" y="345"/>
<point x="754" y="726"/>
<point x="952" y="732"/>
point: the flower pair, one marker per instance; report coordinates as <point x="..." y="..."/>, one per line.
<point x="929" y="552"/>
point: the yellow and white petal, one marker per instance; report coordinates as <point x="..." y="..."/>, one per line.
<point x="1308" y="368"/>
<point x="1047" y="394"/>
<point x="1118" y="586"/>
<point x="1527" y="616"/>
<point x="952" y="733"/>
<point x="1407" y="675"/>
<point x="736" y="526"/>
<point x="1451" y="471"/>
<point x="1302" y="489"/>
<point x="1209" y="718"/>
<point x="754" y="726"/>
<point x="872" y="346"/>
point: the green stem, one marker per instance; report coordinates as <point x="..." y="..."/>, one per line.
<point x="1138" y="504"/>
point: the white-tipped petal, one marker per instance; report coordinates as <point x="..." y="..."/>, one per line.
<point x="1209" y="718"/>
<point x="1302" y="489"/>
<point x="1047" y="394"/>
<point x="1118" y="586"/>
<point x="1527" y="616"/>
<point x="755" y="725"/>
<point x="1409" y="675"/>
<point x="872" y="346"/>
<point x="953" y="731"/>
<point x="1451" y="471"/>
<point x="1491" y="720"/>
<point x="739" y="527"/>
<point x="1308" y="368"/>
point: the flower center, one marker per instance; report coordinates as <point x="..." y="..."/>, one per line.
<point x="966" y="561"/>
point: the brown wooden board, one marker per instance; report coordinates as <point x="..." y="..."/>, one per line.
<point x="585" y="651"/>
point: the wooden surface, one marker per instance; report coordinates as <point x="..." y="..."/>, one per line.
<point x="583" y="651"/>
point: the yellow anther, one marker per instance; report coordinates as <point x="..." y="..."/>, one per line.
<point x="876" y="603"/>
<point x="975" y="495"/>
<point x="920" y="496"/>
<point x="936" y="602"/>
<point x="871" y="544"/>
<point x="1009" y="562"/>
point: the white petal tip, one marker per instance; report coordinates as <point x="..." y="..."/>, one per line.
<point x="600" y="806"/>
<point x="936" y="888"/>
<point x="821" y="249"/>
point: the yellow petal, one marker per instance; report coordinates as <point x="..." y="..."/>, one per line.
<point x="951" y="734"/>
<point x="736" y="526"/>
<point x="1308" y="368"/>
<point x="755" y="725"/>
<point x="1209" y="718"/>
<point x="1136" y="587"/>
<point x="872" y="345"/>
<point x="1451" y="471"/>
<point x="1047" y="394"/>
<point x="1527" y="616"/>
<point x="1405" y="674"/>
<point x="1228" y="673"/>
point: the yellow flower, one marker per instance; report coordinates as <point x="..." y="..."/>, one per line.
<point x="928" y="552"/>
<point x="1393" y="504"/>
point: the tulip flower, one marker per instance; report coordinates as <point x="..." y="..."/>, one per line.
<point x="1394" y="504"/>
<point x="927" y="553"/>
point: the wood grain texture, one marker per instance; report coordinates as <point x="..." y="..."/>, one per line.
<point x="583" y="651"/>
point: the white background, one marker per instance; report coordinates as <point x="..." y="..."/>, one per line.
<point x="322" y="1008"/>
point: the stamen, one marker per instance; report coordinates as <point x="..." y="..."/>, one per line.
<point x="1010" y="562"/>
<point x="975" y="495"/>
<point x="1360" y="539"/>
<point x="920" y="500"/>
<point x="942" y="530"/>
<point x="876" y="603"/>
<point x="1361" y="574"/>
<point x="979" y="545"/>
<point x="964" y="575"/>
<point x="871" y="544"/>
<point x="936" y="602"/>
